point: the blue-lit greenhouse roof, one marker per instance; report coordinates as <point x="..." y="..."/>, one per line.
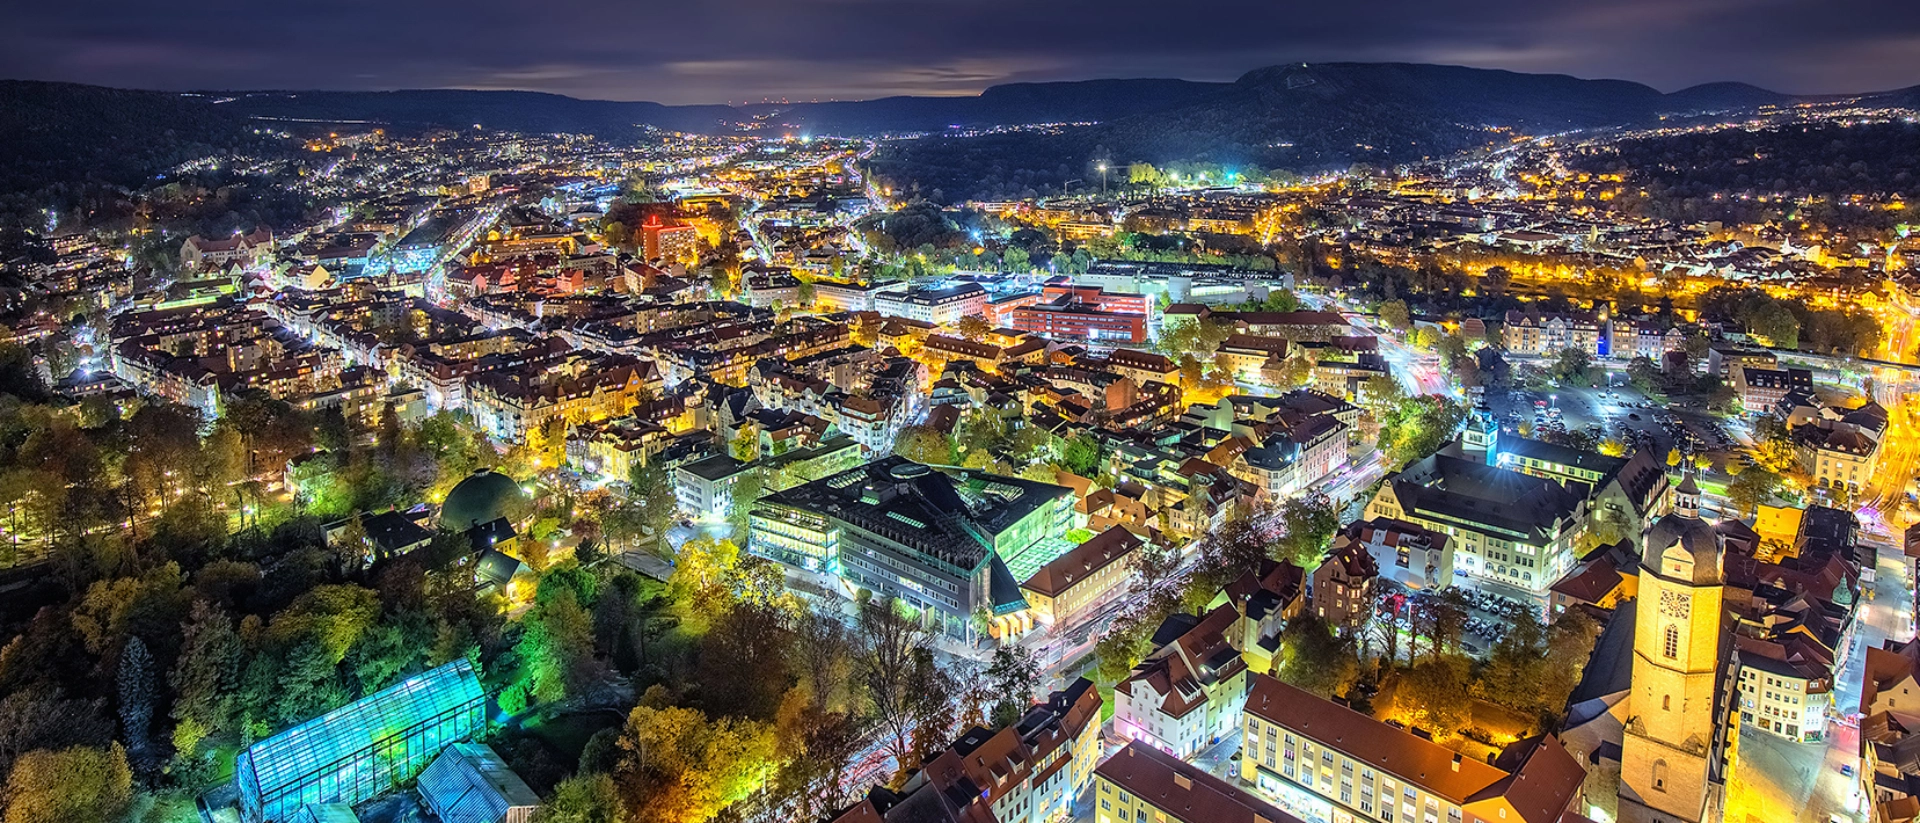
<point x="348" y="754"/>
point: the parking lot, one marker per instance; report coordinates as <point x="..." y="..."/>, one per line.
<point x="1617" y="412"/>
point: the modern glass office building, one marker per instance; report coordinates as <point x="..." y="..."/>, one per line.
<point x="363" y="749"/>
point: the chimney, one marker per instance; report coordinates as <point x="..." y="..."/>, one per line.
<point x="1183" y="781"/>
<point x="1456" y="762"/>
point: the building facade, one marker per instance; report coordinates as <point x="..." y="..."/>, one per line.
<point x="1141" y="783"/>
<point x="1326" y="763"/>
<point x="1187" y="693"/>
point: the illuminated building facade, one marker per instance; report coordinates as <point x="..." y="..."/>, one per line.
<point x="1329" y="764"/>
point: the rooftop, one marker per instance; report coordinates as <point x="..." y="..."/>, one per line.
<point x="1184" y="791"/>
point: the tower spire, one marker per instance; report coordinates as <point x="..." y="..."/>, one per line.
<point x="1686" y="497"/>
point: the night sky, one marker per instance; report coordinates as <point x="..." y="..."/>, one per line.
<point x="710" y="51"/>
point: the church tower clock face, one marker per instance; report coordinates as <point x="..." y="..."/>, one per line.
<point x="1675" y="604"/>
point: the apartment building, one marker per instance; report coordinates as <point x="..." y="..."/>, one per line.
<point x="1326" y="763"/>
<point x="1786" y="685"/>
<point x="1188" y="691"/>
<point x="940" y="306"/>
<point x="1086" y="577"/>
<point x="1143" y="784"/>
<point x="1343" y="583"/>
<point x="1841" y="447"/>
<point x="1550" y="334"/>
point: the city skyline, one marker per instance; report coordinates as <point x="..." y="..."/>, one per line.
<point x="748" y="52"/>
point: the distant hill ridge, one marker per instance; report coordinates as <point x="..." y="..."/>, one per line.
<point x="1287" y="115"/>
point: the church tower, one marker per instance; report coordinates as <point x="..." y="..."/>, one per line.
<point x="1670" y="760"/>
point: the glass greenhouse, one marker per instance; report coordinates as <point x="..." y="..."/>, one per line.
<point x="363" y="749"/>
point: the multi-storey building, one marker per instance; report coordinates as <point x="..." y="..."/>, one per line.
<point x="1761" y="389"/>
<point x="1141" y="783"/>
<point x="1786" y="685"/>
<point x="1723" y="361"/>
<point x="939" y="306"/>
<point x="1143" y="366"/>
<point x="1327" y="763"/>
<point x="249" y="250"/>
<point x="1078" y="321"/>
<point x="1085" y="577"/>
<point x="1295" y="455"/>
<point x="1186" y="694"/>
<point x="1030" y="772"/>
<point x="937" y="541"/>
<point x="1034" y="770"/>
<point x="1246" y="354"/>
<point x="1524" y="333"/>
<point x="1410" y="555"/>
<point x="1505" y="528"/>
<point x="1343" y="378"/>
<point x="1632" y="338"/>
<point x="510" y="404"/>
<point x="1841" y="447"/>
<point x="1624" y="494"/>
<point x="1343" y="583"/>
<point x="832" y="295"/>
<point x="669" y="243"/>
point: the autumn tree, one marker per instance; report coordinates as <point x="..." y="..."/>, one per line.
<point x="1307" y="523"/>
<point x="82" y="783"/>
<point x="743" y="660"/>
<point x="1516" y="665"/>
<point x="745" y="445"/>
<point x="1313" y="658"/>
<point x="1433" y="696"/>
<point x="1395" y="315"/>
<point x="923" y="444"/>
<point x="678" y="765"/>
<point x="1752" y="487"/>
<point x="583" y="798"/>
<point x="351" y="547"/>
<point x="651" y="504"/>
<point x="973" y="327"/>
<point x="1415" y="427"/>
<point x="747" y="489"/>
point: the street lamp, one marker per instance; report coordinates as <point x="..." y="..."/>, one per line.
<point x="1103" y="179"/>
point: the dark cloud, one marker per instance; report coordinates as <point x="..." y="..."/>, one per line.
<point x="732" y="50"/>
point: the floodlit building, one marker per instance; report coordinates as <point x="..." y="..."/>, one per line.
<point x="360" y="750"/>
<point x="1326" y="762"/>
<point x="945" y="543"/>
<point x="1187" y="693"/>
<point x="1552" y="334"/>
<point x="469" y="783"/>
<point x="1143" y="783"/>
<point x="1657" y="704"/>
<point x="1089" y="575"/>
<point x="1505" y="528"/>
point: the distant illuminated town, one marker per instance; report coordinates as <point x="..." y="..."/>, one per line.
<point x="476" y="475"/>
